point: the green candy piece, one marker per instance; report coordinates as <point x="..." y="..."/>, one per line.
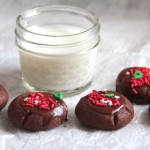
<point x="58" y="95"/>
<point x="137" y="75"/>
<point x="110" y="95"/>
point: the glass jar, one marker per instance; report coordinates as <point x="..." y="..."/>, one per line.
<point x="58" y="47"/>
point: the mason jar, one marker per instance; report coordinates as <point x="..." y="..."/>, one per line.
<point x="57" y="46"/>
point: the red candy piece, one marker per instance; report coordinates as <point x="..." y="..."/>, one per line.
<point x="38" y="100"/>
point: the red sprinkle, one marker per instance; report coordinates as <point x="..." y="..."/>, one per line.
<point x="137" y="82"/>
<point x="39" y="101"/>
<point x="103" y="100"/>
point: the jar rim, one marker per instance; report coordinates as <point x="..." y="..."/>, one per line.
<point x="40" y="9"/>
<point x="62" y="55"/>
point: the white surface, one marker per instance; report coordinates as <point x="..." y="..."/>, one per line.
<point x="125" y="34"/>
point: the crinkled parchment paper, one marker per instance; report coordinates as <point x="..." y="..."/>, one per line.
<point x="125" y="41"/>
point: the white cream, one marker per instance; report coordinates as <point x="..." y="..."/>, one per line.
<point x="118" y="109"/>
<point x="44" y="71"/>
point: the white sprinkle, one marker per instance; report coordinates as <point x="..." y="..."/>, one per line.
<point x="36" y="102"/>
<point x="127" y="73"/>
<point x="25" y="99"/>
<point x="110" y="103"/>
<point x="103" y="101"/>
<point x="117" y="97"/>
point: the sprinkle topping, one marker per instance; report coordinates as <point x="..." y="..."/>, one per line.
<point x="127" y="73"/>
<point x="104" y="99"/>
<point x="39" y="101"/>
<point x="139" y="76"/>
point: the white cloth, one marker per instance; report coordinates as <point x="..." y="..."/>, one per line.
<point x="125" y="42"/>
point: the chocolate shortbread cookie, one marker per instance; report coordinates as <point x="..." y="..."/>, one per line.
<point x="134" y="83"/>
<point x="38" y="111"/>
<point x="105" y="110"/>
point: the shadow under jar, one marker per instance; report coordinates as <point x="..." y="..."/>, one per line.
<point x="57" y="47"/>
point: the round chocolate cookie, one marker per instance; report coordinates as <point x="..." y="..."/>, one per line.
<point x="134" y="83"/>
<point x="3" y="97"/>
<point x="105" y="110"/>
<point x="38" y="111"/>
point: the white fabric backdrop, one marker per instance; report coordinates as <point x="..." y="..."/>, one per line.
<point x="125" y="41"/>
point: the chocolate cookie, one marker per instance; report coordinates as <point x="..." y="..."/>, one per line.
<point x="134" y="83"/>
<point x="3" y="97"/>
<point x="105" y="110"/>
<point x="38" y="111"/>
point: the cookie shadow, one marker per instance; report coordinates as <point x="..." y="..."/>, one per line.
<point x="10" y="128"/>
<point x="145" y="118"/>
<point x="5" y="124"/>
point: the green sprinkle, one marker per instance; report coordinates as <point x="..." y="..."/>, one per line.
<point x="110" y="95"/>
<point x="137" y="75"/>
<point x="58" y="95"/>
